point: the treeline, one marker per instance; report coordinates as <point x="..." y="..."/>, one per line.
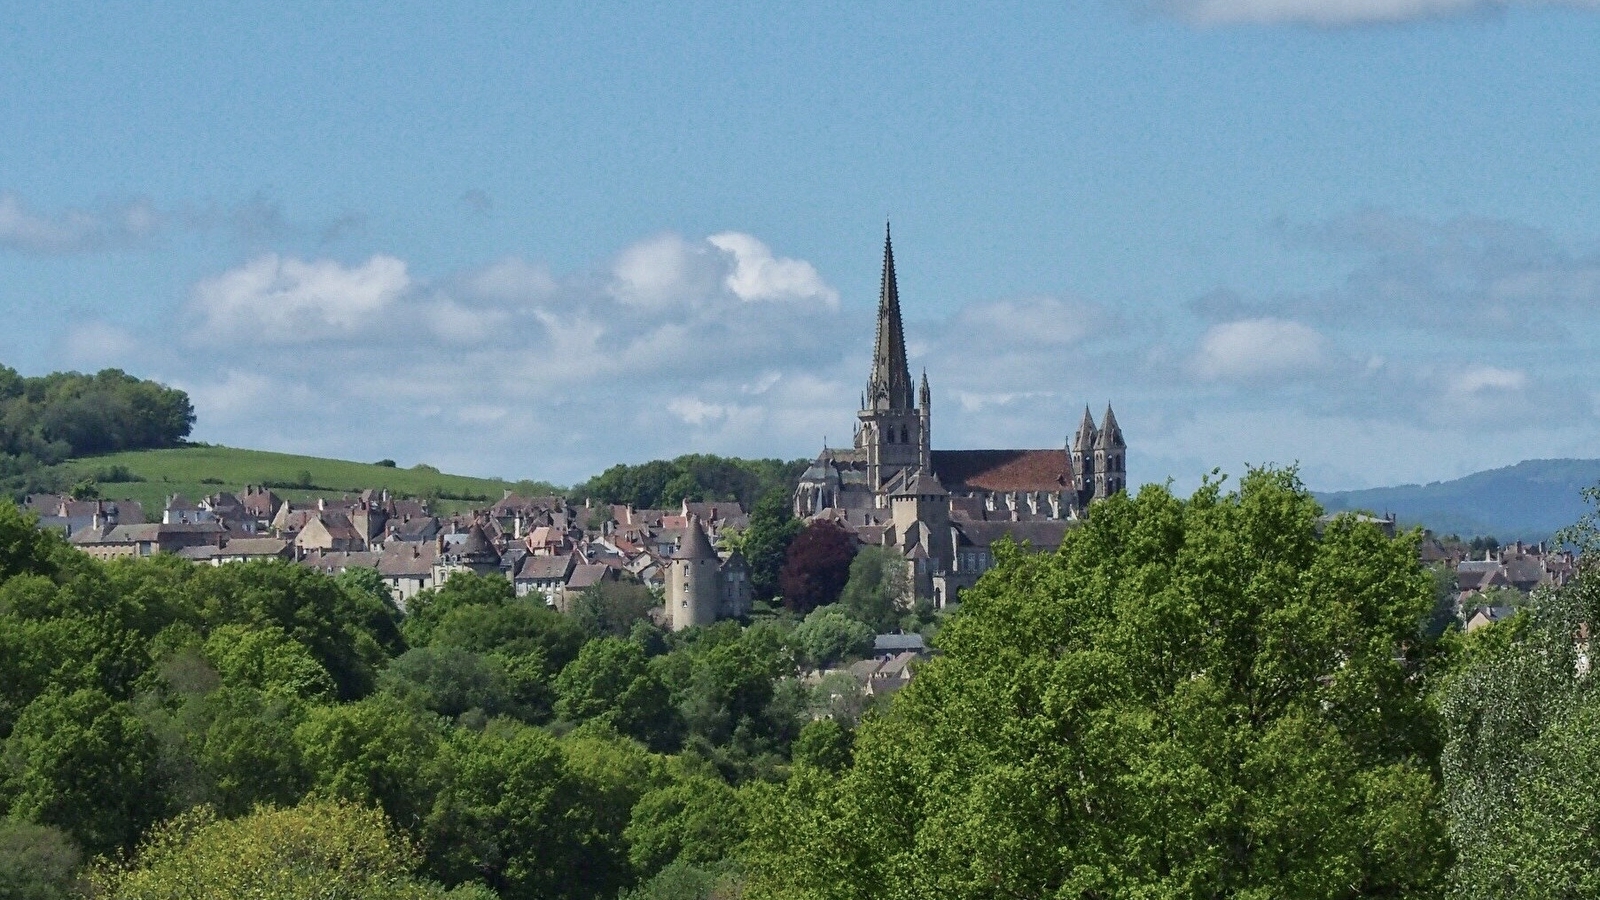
<point x="665" y="483"/>
<point x="48" y="419"/>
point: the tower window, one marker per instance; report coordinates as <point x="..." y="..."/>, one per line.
<point x="903" y="438"/>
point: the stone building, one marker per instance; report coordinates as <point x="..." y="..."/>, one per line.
<point x="703" y="585"/>
<point x="892" y="487"/>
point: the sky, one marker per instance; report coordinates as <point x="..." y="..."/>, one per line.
<point x="1359" y="236"/>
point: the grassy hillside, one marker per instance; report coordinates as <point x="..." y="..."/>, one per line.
<point x="1527" y="501"/>
<point x="197" y="471"/>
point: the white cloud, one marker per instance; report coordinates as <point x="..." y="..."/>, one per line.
<point x="511" y="369"/>
<point x="236" y="396"/>
<point x="1258" y="348"/>
<point x="694" y="411"/>
<point x="514" y="279"/>
<point x="1485" y="395"/>
<point x="96" y="344"/>
<point x="1335" y="13"/>
<point x="288" y="300"/>
<point x="758" y="275"/>
<point x="664" y="270"/>
<point x="76" y="230"/>
<point x="1487" y="379"/>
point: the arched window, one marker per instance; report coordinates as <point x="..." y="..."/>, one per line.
<point x="903" y="438"/>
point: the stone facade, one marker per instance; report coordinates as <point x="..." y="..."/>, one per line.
<point x="703" y="585"/>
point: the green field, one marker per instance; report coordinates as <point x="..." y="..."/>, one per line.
<point x="197" y="471"/>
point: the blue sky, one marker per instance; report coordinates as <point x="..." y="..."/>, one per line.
<point x="1363" y="235"/>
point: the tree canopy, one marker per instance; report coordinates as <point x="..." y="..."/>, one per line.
<point x="816" y="566"/>
<point x="661" y="483"/>
<point x="1201" y="698"/>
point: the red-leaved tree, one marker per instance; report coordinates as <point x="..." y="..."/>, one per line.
<point x="816" y="566"/>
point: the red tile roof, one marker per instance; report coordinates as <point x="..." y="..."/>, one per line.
<point x="1003" y="470"/>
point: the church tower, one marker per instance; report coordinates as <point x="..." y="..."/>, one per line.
<point x="1083" y="459"/>
<point x="1110" y="457"/>
<point x="893" y="431"/>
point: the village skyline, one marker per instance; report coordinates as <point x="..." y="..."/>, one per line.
<point x="1359" y="237"/>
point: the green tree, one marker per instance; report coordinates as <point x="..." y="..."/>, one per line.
<point x="828" y="635"/>
<point x="824" y="744"/>
<point x="463" y="589"/>
<point x="247" y="750"/>
<point x="377" y="750"/>
<point x="530" y="641"/>
<point x="878" y="590"/>
<point x="612" y="608"/>
<point x="323" y="849"/>
<point x="696" y="819"/>
<point x="346" y="632"/>
<point x="1190" y="699"/>
<point x="515" y="817"/>
<point x="1522" y="717"/>
<point x="766" y="542"/>
<point x="611" y="681"/>
<point x="266" y="659"/>
<point x="37" y="862"/>
<point x="736" y="696"/>
<point x="450" y="681"/>
<point x="84" y="763"/>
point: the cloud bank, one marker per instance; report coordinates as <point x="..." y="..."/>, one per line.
<point x="1401" y="370"/>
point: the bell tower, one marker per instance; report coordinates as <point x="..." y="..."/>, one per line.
<point x="893" y="431"/>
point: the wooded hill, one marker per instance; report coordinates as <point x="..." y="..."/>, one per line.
<point x="1528" y="501"/>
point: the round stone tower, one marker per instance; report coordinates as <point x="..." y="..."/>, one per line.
<point x="693" y="589"/>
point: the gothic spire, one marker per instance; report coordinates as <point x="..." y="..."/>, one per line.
<point x="1086" y="432"/>
<point x="890" y="384"/>
<point x="1110" y="433"/>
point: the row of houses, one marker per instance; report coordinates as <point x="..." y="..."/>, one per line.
<point x="546" y="546"/>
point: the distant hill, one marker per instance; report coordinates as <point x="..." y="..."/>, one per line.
<point x="149" y="476"/>
<point x="1527" y="501"/>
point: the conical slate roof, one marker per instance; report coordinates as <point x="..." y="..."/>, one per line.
<point x="477" y="548"/>
<point x="695" y="544"/>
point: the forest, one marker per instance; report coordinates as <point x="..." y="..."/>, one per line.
<point x="51" y="418"/>
<point x="698" y="476"/>
<point x="1202" y="697"/>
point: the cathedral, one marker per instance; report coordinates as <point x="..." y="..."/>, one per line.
<point x="943" y="508"/>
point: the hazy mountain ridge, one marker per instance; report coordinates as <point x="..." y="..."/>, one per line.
<point x="1527" y="501"/>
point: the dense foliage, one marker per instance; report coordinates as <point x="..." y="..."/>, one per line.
<point x="530" y="752"/>
<point x="65" y="414"/>
<point x="330" y="850"/>
<point x="816" y="566"/>
<point x="1523" y="718"/>
<point x="1214" y="697"/>
<point x="663" y="483"/>
<point x="1192" y="699"/>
